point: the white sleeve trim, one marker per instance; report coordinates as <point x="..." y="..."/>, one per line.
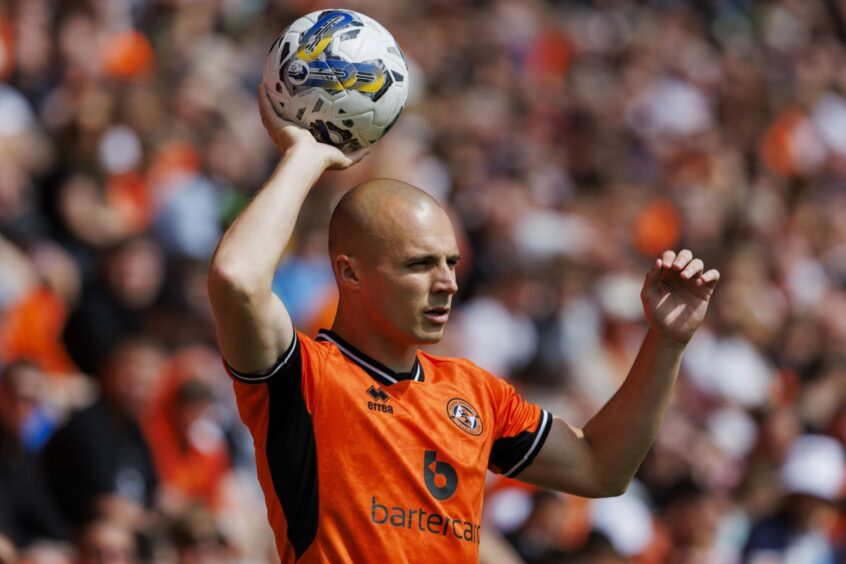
<point x="546" y="419"/>
<point x="280" y="364"/>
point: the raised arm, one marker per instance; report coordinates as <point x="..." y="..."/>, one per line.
<point x="253" y="326"/>
<point x="601" y="459"/>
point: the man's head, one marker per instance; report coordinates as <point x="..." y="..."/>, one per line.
<point x="130" y="375"/>
<point x="134" y="272"/>
<point x="106" y="541"/>
<point x="393" y="252"/>
<point x="20" y="391"/>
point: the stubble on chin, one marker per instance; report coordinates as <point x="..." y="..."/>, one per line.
<point x="429" y="337"/>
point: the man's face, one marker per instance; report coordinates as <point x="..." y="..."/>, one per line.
<point x="19" y="396"/>
<point x="135" y="274"/>
<point x="408" y="277"/>
<point x="131" y="378"/>
<point x="106" y="542"/>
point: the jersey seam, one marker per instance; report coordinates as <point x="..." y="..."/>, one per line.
<point x="318" y="388"/>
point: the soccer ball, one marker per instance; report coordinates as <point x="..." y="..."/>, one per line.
<point x="339" y="74"/>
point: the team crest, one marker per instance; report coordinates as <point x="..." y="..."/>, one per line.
<point x="464" y="416"/>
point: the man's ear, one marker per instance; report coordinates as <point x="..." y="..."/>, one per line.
<point x="346" y="271"/>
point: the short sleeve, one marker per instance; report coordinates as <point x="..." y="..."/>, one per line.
<point x="287" y="363"/>
<point x="286" y="388"/>
<point x="522" y="428"/>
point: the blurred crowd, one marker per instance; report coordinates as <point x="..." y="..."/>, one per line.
<point x="571" y="141"/>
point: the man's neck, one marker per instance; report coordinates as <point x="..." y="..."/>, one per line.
<point x="398" y="357"/>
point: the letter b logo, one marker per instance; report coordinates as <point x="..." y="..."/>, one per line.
<point x="433" y="469"/>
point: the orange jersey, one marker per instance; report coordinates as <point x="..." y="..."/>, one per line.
<point x="362" y="464"/>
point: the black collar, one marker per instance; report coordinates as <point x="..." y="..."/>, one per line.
<point x="374" y="368"/>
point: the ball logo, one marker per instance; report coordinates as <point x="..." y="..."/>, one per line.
<point x="298" y="72"/>
<point x="441" y="478"/>
<point x="320" y="35"/>
<point x="464" y="416"/>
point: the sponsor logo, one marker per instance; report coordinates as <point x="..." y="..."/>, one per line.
<point x="418" y="519"/>
<point x="440" y="478"/>
<point x="464" y="416"/>
<point x="380" y="399"/>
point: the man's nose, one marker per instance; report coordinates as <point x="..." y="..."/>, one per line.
<point x="446" y="280"/>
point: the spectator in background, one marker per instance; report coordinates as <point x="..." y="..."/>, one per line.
<point x="539" y="538"/>
<point x="27" y="510"/>
<point x="106" y="542"/>
<point x="22" y="396"/>
<point x="99" y="464"/>
<point x="119" y="304"/>
<point x="184" y="433"/>
<point x="567" y="136"/>
<point x="8" y="554"/>
<point x="803" y="527"/>
<point x="196" y="538"/>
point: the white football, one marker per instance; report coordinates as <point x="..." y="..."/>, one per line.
<point x="339" y="74"/>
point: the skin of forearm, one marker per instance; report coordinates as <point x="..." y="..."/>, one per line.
<point x="252" y="247"/>
<point x="621" y="433"/>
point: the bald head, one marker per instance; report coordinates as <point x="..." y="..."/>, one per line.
<point x="393" y="253"/>
<point x="378" y="212"/>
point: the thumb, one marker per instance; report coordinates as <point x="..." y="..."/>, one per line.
<point x="345" y="160"/>
<point x="359" y="154"/>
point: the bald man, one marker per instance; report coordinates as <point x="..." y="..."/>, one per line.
<point x="369" y="449"/>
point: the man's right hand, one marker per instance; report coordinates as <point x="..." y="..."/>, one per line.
<point x="287" y="136"/>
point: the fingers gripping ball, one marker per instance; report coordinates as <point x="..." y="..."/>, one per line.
<point x="339" y="74"/>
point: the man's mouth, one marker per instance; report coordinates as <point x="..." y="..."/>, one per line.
<point x="438" y="315"/>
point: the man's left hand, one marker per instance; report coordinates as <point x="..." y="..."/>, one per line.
<point x="676" y="293"/>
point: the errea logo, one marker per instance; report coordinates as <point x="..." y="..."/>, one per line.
<point x="380" y="400"/>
